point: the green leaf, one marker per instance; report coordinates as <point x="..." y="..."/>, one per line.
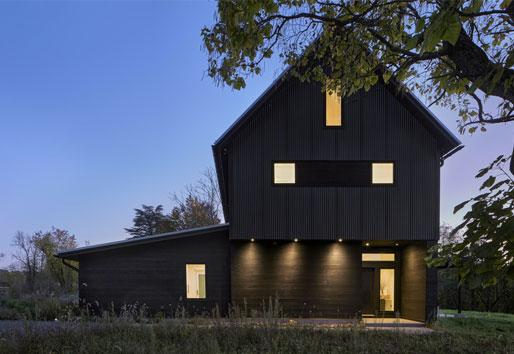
<point x="460" y="206"/>
<point x="386" y="76"/>
<point x="505" y="4"/>
<point x="489" y="282"/>
<point x="499" y="184"/>
<point x="420" y="25"/>
<point x="482" y="172"/>
<point x="475" y="6"/>
<point x="452" y="32"/>
<point x="488" y="182"/>
<point x="412" y="42"/>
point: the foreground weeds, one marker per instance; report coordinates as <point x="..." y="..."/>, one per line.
<point x="217" y="336"/>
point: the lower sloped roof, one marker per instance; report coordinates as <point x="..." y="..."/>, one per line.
<point x="135" y="241"/>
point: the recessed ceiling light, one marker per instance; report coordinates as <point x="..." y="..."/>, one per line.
<point x="340" y="240"/>
<point x="252" y="240"/>
<point x="295" y="240"/>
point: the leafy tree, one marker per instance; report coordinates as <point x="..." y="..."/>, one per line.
<point x="199" y="206"/>
<point x="192" y="212"/>
<point x="485" y="253"/>
<point x="50" y="243"/>
<point x="148" y="221"/>
<point x="451" y="289"/>
<point x="35" y="257"/>
<point x="455" y="53"/>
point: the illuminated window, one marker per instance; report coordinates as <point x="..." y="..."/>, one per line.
<point x="195" y="279"/>
<point x="284" y="173"/>
<point x="378" y="257"/>
<point x="382" y="173"/>
<point x="333" y="109"/>
<point x="386" y="289"/>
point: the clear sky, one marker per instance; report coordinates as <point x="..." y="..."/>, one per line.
<point x="105" y="106"/>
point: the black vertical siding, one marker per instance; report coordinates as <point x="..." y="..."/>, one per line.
<point x="155" y="274"/>
<point x="414" y="282"/>
<point x="290" y="126"/>
<point x="431" y="291"/>
<point x="310" y="279"/>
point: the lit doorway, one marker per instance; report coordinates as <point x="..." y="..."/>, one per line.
<point x="379" y="284"/>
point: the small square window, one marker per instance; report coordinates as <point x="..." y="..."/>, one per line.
<point x="382" y="173"/>
<point x="332" y="109"/>
<point x="195" y="281"/>
<point x="284" y="173"/>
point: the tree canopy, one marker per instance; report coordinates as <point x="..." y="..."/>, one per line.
<point x="34" y="255"/>
<point x="200" y="205"/>
<point x="149" y="220"/>
<point x="454" y="53"/>
<point x="484" y="252"/>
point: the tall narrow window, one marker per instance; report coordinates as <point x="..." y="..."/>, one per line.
<point x="386" y="289"/>
<point x="284" y="173"/>
<point x="195" y="281"/>
<point x="382" y="173"/>
<point x="333" y="109"/>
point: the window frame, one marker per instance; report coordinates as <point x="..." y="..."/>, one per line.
<point x="394" y="173"/>
<point x="379" y="253"/>
<point x="205" y="272"/>
<point x="273" y="172"/>
<point x="296" y="185"/>
<point x="332" y="127"/>
<point x="395" y="288"/>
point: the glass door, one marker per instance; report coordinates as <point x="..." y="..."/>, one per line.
<point x="386" y="289"/>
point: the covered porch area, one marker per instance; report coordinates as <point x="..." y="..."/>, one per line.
<point x="396" y="285"/>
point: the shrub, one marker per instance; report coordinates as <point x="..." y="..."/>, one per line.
<point x="37" y="308"/>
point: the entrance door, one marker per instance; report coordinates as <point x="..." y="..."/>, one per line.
<point x="377" y="291"/>
<point x="369" y="293"/>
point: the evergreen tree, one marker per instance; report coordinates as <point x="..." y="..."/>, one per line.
<point x="149" y="221"/>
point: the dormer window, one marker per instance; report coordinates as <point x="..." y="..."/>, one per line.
<point x="333" y="116"/>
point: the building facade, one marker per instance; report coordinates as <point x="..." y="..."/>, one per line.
<point x="330" y="207"/>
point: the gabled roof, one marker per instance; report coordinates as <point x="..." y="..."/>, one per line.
<point x="447" y="142"/>
<point x="74" y="253"/>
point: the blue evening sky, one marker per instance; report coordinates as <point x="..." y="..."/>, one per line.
<point x="105" y="106"/>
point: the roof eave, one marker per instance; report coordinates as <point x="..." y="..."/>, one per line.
<point x="75" y="253"/>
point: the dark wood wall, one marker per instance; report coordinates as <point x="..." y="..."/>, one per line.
<point x="431" y="291"/>
<point x="290" y="126"/>
<point x="311" y="279"/>
<point x="414" y="282"/>
<point x="155" y="274"/>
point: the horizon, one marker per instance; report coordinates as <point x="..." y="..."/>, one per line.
<point x="92" y="115"/>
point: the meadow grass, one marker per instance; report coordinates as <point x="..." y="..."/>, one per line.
<point x="451" y="335"/>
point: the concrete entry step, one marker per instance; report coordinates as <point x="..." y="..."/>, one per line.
<point x="391" y="322"/>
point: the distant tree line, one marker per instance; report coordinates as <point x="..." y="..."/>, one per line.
<point x="199" y="205"/>
<point x="497" y="297"/>
<point x="36" y="270"/>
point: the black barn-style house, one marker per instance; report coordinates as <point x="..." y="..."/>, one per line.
<point x="330" y="206"/>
